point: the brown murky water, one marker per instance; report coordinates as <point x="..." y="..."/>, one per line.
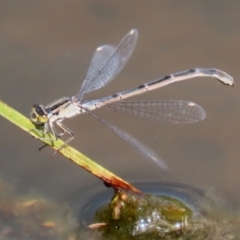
<point x="45" y="51"/>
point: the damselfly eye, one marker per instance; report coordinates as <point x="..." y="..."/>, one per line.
<point x="39" y="110"/>
<point x="34" y="116"/>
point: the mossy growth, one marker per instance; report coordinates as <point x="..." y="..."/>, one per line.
<point x="147" y="217"/>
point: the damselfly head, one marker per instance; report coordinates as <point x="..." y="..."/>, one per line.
<point x="39" y="115"/>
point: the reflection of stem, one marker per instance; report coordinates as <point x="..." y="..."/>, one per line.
<point x="69" y="152"/>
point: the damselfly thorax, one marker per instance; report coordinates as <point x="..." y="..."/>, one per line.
<point x="56" y="112"/>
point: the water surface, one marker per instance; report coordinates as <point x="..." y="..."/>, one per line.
<point x="45" y="50"/>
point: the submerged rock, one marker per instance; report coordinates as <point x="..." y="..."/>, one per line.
<point x="145" y="216"/>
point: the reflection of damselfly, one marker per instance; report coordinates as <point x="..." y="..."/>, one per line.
<point x="106" y="63"/>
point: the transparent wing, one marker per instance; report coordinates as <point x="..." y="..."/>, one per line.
<point x="176" y="111"/>
<point x="107" y="62"/>
<point x="139" y="146"/>
<point x="98" y="61"/>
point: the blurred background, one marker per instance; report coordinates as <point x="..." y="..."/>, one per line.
<point x="45" y="50"/>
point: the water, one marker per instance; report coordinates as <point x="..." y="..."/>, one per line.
<point x="45" y="51"/>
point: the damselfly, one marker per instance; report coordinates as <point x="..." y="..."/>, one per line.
<point x="106" y="63"/>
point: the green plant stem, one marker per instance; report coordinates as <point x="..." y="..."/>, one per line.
<point x="72" y="154"/>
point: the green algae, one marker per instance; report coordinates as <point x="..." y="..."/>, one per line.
<point x="132" y="216"/>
